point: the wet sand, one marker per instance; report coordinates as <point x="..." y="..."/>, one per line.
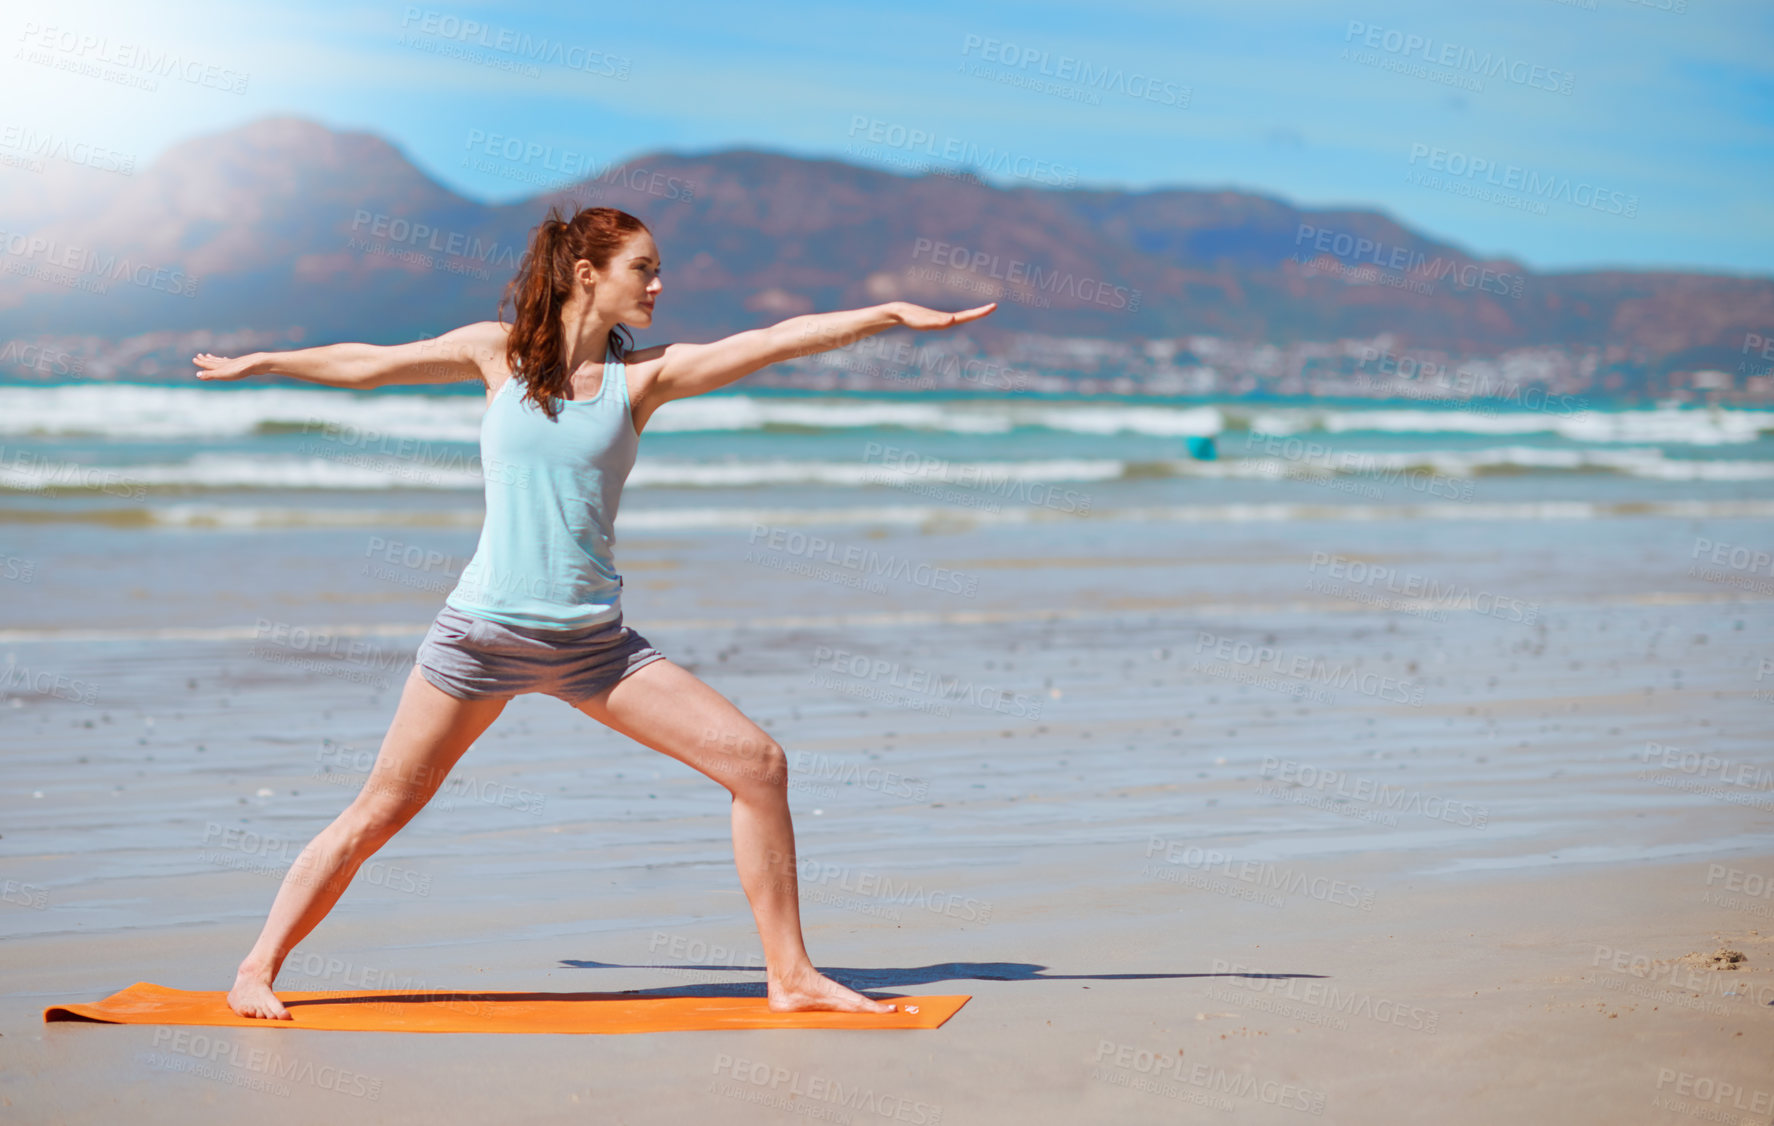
<point x="1222" y="825"/>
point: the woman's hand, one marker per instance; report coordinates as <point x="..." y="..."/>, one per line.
<point x="918" y="317"/>
<point x="223" y="367"/>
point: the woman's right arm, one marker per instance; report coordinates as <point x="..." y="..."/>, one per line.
<point x="460" y="354"/>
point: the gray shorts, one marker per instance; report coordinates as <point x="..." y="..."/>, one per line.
<point x="474" y="659"/>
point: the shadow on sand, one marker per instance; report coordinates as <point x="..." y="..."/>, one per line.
<point x="862" y="980"/>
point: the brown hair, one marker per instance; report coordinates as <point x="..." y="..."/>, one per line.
<point x="534" y="349"/>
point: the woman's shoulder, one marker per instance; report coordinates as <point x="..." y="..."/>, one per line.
<point x="483" y="334"/>
<point x="488" y="340"/>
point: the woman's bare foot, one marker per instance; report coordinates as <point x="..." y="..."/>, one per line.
<point x="252" y="996"/>
<point x="812" y="991"/>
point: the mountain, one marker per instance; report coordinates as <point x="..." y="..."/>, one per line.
<point x="285" y="226"/>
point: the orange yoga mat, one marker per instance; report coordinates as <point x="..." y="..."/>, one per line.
<point x="406" y="1010"/>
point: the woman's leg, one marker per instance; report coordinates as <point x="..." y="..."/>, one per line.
<point x="430" y="732"/>
<point x="663" y="706"/>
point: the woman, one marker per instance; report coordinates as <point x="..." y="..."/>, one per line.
<point x="538" y="608"/>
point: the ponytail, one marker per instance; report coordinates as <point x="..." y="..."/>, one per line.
<point x="534" y="349"/>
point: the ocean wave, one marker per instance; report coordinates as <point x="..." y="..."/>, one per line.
<point x="659" y="473"/>
<point x="1676" y="426"/>
<point x="352" y="472"/>
<point x="160" y="412"/>
<point x="247" y="517"/>
<point x="238" y="471"/>
<point x="745" y="412"/>
<point x="127" y="410"/>
<point x="1162" y="422"/>
<point x="137" y="411"/>
<point x="1296" y="459"/>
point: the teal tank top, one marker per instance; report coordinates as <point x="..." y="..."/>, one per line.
<point x="545" y="558"/>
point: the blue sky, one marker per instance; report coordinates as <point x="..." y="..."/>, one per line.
<point x="1573" y="135"/>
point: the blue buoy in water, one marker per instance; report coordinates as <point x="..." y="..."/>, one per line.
<point x="1202" y="449"/>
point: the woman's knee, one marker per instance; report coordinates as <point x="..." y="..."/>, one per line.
<point x="753" y="763"/>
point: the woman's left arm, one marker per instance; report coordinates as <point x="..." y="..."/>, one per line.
<point x="694" y="369"/>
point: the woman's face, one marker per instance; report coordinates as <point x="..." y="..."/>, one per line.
<point x="627" y="289"/>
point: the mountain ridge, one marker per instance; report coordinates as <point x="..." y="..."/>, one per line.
<point x="285" y="222"/>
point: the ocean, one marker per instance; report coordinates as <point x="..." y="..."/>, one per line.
<point x="390" y="482"/>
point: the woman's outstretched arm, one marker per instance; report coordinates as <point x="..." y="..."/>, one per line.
<point x="457" y="355"/>
<point x="692" y="369"/>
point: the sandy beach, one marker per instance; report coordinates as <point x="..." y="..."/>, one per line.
<point x="1255" y="536"/>
<point x="1283" y="821"/>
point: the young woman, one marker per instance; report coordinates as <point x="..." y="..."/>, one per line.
<point x="538" y="607"/>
